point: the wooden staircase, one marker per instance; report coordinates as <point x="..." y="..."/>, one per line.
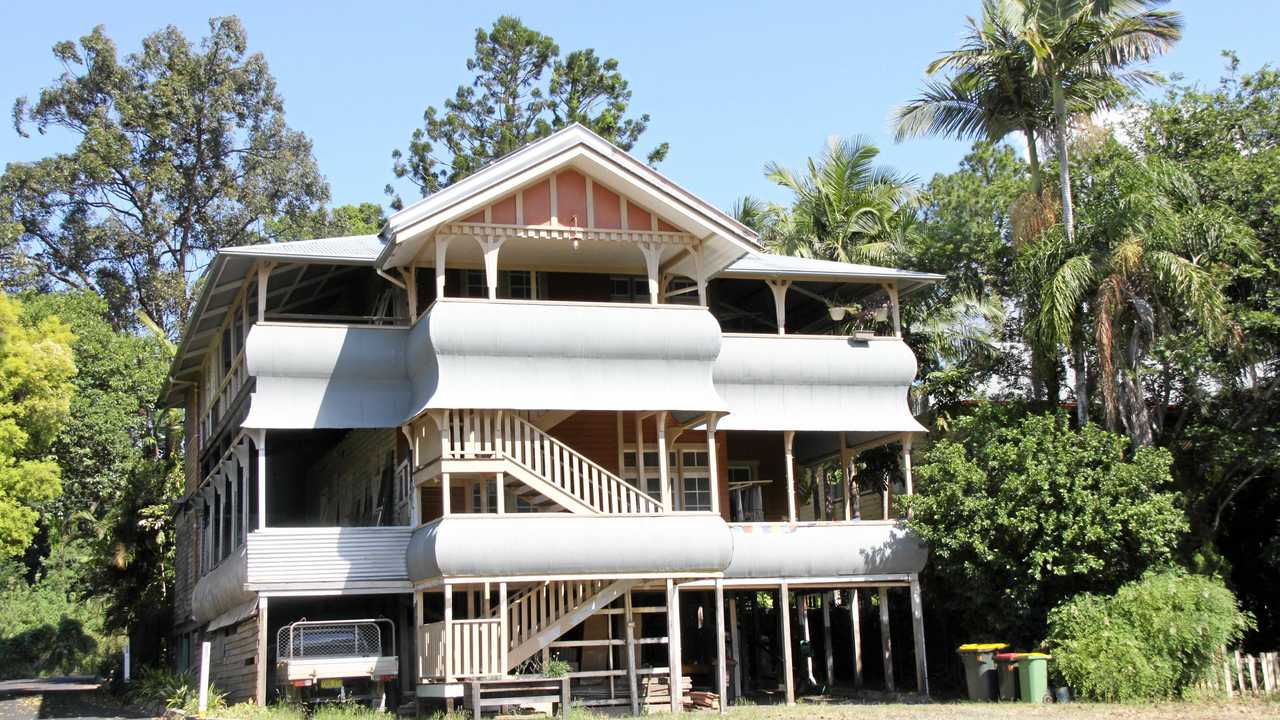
<point x="542" y="463"/>
<point x="539" y="615"/>
<point x="536" y="617"/>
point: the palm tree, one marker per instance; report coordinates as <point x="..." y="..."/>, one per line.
<point x="1083" y="49"/>
<point x="1144" y="258"/>
<point x="992" y="92"/>
<point x="962" y="330"/>
<point x="844" y="207"/>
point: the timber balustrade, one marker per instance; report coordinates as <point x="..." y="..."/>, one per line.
<point x="483" y="434"/>
<point x="535" y="617"/>
<point x="477" y="649"/>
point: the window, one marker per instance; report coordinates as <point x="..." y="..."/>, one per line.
<point x="741" y="473"/>
<point x="688" y="469"/>
<point x="697" y="494"/>
<point x="694" y="459"/>
<point x="629" y="288"/>
<point x="682" y="291"/>
<point x="474" y="284"/>
<point x="518" y="284"/>
<point x="491" y="489"/>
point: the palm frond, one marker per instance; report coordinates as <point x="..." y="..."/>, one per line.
<point x="1061" y="297"/>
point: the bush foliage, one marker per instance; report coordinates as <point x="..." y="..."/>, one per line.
<point x="46" y="630"/>
<point x="1022" y="512"/>
<point x="1154" y="638"/>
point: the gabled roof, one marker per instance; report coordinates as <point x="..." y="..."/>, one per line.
<point x="407" y="230"/>
<point x="346" y="249"/>
<point x="766" y="266"/>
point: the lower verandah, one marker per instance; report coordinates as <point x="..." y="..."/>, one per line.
<point x="756" y="483"/>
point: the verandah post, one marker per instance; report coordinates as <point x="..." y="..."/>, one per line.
<point x="855" y="620"/>
<point x="664" y="477"/>
<point x="722" y="676"/>
<point x="784" y="612"/>
<point x="788" y="439"/>
<point x="886" y="643"/>
<point x="630" y="633"/>
<point x="675" y="665"/>
<point x="917" y="627"/>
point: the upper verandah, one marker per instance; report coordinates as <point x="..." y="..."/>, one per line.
<point x="568" y="218"/>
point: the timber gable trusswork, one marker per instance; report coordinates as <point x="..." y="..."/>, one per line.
<point x="562" y="409"/>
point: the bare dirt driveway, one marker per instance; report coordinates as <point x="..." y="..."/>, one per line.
<point x="66" y="697"/>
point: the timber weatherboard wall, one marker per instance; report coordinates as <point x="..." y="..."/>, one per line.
<point x="345" y="484"/>
<point x="233" y="659"/>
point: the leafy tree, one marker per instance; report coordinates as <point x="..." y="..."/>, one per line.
<point x="1084" y="49"/>
<point x="362" y="219"/>
<point x="1021" y="513"/>
<point x="1145" y="258"/>
<point x="36" y="368"/>
<point x="181" y="149"/>
<point x="522" y="90"/>
<point x="991" y="92"/>
<point x="844" y="207"/>
<point x="112" y="412"/>
<point x="1224" y="424"/>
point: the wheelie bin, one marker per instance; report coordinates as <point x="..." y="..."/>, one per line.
<point x="1007" y="670"/>
<point x="980" y="669"/>
<point x="1033" y="677"/>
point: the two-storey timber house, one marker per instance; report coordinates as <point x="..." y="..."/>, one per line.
<point x="562" y="409"/>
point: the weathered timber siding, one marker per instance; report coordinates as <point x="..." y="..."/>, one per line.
<point x="350" y="485"/>
<point x="233" y="660"/>
<point x="594" y="434"/>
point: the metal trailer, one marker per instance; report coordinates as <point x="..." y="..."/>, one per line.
<point x="336" y="660"/>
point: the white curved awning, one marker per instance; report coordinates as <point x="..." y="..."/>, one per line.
<point x="326" y="376"/>
<point x="520" y="355"/>
<point x="222" y="589"/>
<point x="539" y="544"/>
<point x="816" y="383"/>
<point x="778" y="550"/>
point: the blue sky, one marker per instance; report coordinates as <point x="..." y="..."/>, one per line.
<point x="729" y="85"/>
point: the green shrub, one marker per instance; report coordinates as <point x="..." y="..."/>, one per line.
<point x="557" y="668"/>
<point x="174" y="691"/>
<point x="45" y="630"/>
<point x="1155" y="638"/>
<point x="1022" y="513"/>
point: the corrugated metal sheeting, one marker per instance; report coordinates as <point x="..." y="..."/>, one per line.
<point x="773" y="550"/>
<point x="331" y="555"/>
<point x="564" y="544"/>
<point x="816" y="383"/>
<point x="221" y="589"/>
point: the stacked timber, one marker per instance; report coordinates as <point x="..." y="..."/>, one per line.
<point x="702" y="700"/>
<point x="656" y="690"/>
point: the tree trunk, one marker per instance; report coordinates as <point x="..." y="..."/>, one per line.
<point x="1033" y="158"/>
<point x="1080" y="367"/>
<point x="1064" y="169"/>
